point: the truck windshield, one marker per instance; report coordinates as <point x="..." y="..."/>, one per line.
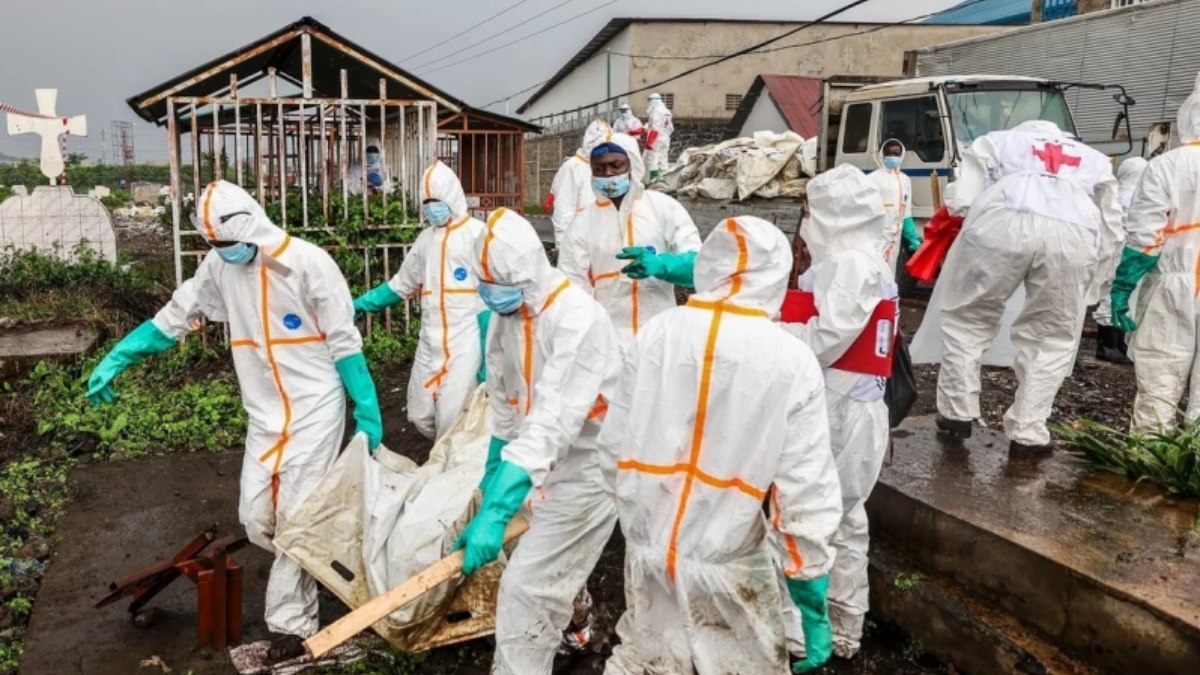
<point x="975" y="113"/>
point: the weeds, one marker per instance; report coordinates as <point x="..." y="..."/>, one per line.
<point x="36" y="285"/>
<point x="1170" y="459"/>
<point x="914" y="649"/>
<point x="909" y="582"/>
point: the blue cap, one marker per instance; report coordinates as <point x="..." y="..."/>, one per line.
<point x="605" y="148"/>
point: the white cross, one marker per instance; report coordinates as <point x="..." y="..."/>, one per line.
<point x="49" y="126"/>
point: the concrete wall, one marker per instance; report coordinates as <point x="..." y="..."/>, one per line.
<point x="588" y="82"/>
<point x="702" y="95"/>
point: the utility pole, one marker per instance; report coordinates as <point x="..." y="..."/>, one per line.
<point x="608" y="79"/>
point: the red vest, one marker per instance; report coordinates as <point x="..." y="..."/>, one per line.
<point x="871" y="352"/>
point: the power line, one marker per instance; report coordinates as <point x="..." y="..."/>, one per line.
<point x="527" y="37"/>
<point x="514" y="94"/>
<point x="493" y="35"/>
<point x="757" y="48"/>
<point x="502" y="12"/>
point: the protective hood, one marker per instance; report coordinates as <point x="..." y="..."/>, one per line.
<point x="1040" y="127"/>
<point x="879" y="153"/>
<point x="746" y="260"/>
<point x="845" y="210"/>
<point x="226" y="212"/>
<point x="596" y="133"/>
<point x="656" y="104"/>
<point x="1188" y="120"/>
<point x="637" y="168"/>
<point x="441" y="183"/>
<point x="1129" y="173"/>
<point x="511" y="254"/>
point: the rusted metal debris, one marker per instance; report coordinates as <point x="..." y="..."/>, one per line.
<point x="209" y="563"/>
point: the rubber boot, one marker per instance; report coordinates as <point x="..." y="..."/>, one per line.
<point x="1108" y="345"/>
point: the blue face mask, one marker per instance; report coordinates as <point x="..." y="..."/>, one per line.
<point x="238" y="254"/>
<point x="437" y="213"/>
<point x="501" y="299"/>
<point x="372" y="157"/>
<point x="611" y="188"/>
<point x="892" y="162"/>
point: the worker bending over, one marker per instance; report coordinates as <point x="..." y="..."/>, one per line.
<point x="552" y="362"/>
<point x="294" y="344"/>
<point x="1041" y="209"/>
<point x="438" y="267"/>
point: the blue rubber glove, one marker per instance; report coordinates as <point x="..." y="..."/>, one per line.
<point x="145" y="340"/>
<point x="483" y="318"/>
<point x="484" y="536"/>
<point x="375" y="300"/>
<point x="1134" y="265"/>
<point x="495" y="446"/>
<point x="908" y="232"/>
<point x="357" y="378"/>
<point x="811" y="598"/>
<point x="676" y="268"/>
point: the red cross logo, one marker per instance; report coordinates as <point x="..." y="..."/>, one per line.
<point x="1053" y="158"/>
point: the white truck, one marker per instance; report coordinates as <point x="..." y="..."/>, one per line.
<point x="937" y="118"/>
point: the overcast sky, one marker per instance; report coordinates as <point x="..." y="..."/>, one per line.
<point x="97" y="53"/>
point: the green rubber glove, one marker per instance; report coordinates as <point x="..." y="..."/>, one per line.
<point x="353" y="371"/>
<point x="908" y="232"/>
<point x="145" y="340"/>
<point x="375" y="300"/>
<point x="483" y="319"/>
<point x="812" y="601"/>
<point x="673" y="267"/>
<point x="484" y="536"/>
<point x="495" y="446"/>
<point x="1134" y="265"/>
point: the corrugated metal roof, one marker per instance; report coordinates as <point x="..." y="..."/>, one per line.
<point x="798" y="99"/>
<point x="987" y="12"/>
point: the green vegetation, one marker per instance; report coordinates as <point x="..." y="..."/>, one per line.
<point x="117" y="199"/>
<point x="1170" y="459"/>
<point x="908" y="582"/>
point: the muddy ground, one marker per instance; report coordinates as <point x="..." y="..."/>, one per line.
<point x="1095" y="390"/>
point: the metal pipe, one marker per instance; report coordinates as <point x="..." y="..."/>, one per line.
<point x="282" y="167"/>
<point x="173" y="163"/>
<point x="325" y="168"/>
<point x="362" y="162"/>
<point x="344" y="160"/>
<point x="258" y="156"/>
<point x="237" y="127"/>
<point x="303" y="143"/>
<point x="383" y="141"/>
<point x="195" y="154"/>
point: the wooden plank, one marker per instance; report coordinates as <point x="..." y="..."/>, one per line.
<point x="362" y="618"/>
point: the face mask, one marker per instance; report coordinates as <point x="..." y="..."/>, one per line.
<point x="892" y="162"/>
<point x="238" y="254"/>
<point x="437" y="213"/>
<point x="501" y="299"/>
<point x="611" y="188"/>
<point x="372" y="157"/>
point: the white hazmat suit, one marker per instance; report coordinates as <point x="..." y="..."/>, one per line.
<point x="848" y="279"/>
<point x="1129" y="174"/>
<point x="572" y="185"/>
<point x="439" y="267"/>
<point x="628" y="123"/>
<point x="552" y="365"/>
<point x="1041" y="208"/>
<point x="1164" y="220"/>
<point x="660" y="126"/>
<point x="290" y="319"/>
<point x="645" y="218"/>
<point x="896" y="188"/>
<point x="717" y="410"/>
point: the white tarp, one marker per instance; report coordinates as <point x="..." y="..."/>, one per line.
<point x="768" y="165"/>
<point x="926" y="346"/>
<point x="374" y="523"/>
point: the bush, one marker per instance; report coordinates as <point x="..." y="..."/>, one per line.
<point x="35" y="285"/>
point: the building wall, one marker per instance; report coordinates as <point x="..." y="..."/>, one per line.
<point x="702" y="94"/>
<point x="588" y="82"/>
<point x="764" y="116"/>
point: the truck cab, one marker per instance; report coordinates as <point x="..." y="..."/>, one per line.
<point x="937" y="118"/>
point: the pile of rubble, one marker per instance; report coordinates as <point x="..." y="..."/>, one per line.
<point x="769" y="165"/>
